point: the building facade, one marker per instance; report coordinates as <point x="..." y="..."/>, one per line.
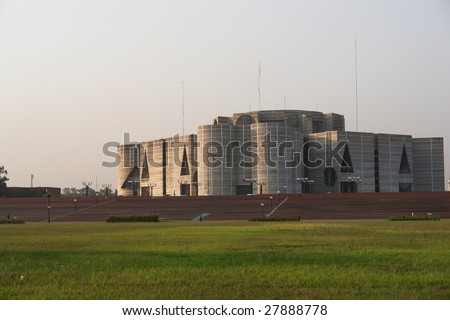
<point x="280" y="151"/>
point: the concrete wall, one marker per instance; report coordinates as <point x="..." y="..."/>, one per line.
<point x="333" y="122"/>
<point x="428" y="157"/>
<point x="390" y="150"/>
<point x="178" y="178"/>
<point x="361" y="150"/>
<point x="153" y="153"/>
<point x="128" y="169"/>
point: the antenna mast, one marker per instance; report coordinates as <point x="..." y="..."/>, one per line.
<point x="259" y="86"/>
<point x="182" y="103"/>
<point x="356" y="85"/>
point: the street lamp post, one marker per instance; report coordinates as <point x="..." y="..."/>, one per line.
<point x="262" y="209"/>
<point x="106" y="186"/>
<point x="97" y="197"/>
<point x="285" y="188"/>
<point x="304" y="182"/>
<point x="75" y="204"/>
<point x="87" y="184"/>
<point x="152" y="185"/>
<point x="261" y="184"/>
<point x="278" y="193"/>
<point x="48" y="195"/>
<point x="251" y="181"/>
<point x="271" y="198"/>
<point x="356" y="180"/>
<point x="49" y="206"/>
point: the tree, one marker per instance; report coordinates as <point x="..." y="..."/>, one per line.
<point x="3" y="179"/>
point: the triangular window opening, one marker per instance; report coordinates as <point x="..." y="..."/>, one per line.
<point x="145" y="172"/>
<point x="404" y="163"/>
<point x="184" y="164"/>
<point x="346" y="165"/>
<point x="134" y="174"/>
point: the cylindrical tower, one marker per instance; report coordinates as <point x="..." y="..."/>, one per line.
<point x="215" y="160"/>
<point x="279" y="155"/>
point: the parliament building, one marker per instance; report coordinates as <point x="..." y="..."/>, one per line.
<point x="280" y="151"/>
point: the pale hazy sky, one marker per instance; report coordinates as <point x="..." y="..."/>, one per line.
<point x="77" y="74"/>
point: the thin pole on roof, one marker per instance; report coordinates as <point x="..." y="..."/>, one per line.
<point x="356" y="84"/>
<point x="259" y="86"/>
<point x="182" y="103"/>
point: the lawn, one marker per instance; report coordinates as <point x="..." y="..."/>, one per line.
<point x="226" y="260"/>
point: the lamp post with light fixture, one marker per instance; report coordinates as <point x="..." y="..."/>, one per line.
<point x="261" y="184"/>
<point x="251" y="181"/>
<point x="87" y="185"/>
<point x="106" y="186"/>
<point x="47" y="194"/>
<point x="355" y="180"/>
<point x="304" y="182"/>
<point x="151" y="186"/>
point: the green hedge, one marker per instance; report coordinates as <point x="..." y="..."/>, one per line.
<point x="133" y="218"/>
<point x="415" y="218"/>
<point x="273" y="219"/>
<point x="12" y="221"/>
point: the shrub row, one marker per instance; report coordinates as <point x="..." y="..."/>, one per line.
<point x="415" y="218"/>
<point x="12" y="221"/>
<point x="273" y="219"/>
<point x="133" y="218"/>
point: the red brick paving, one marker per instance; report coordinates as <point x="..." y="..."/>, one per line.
<point x="310" y="206"/>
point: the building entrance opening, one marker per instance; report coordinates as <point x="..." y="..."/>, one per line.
<point x="145" y="191"/>
<point x="243" y="189"/>
<point x="185" y="189"/>
<point x="349" y="186"/>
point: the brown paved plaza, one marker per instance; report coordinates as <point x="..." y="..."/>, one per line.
<point x="309" y="206"/>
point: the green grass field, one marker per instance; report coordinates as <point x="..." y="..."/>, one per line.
<point x="226" y="260"/>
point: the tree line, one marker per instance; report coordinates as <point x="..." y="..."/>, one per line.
<point x="81" y="192"/>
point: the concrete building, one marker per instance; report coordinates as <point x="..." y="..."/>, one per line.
<point x="280" y="151"/>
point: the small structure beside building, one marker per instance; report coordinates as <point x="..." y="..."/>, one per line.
<point x="34" y="192"/>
